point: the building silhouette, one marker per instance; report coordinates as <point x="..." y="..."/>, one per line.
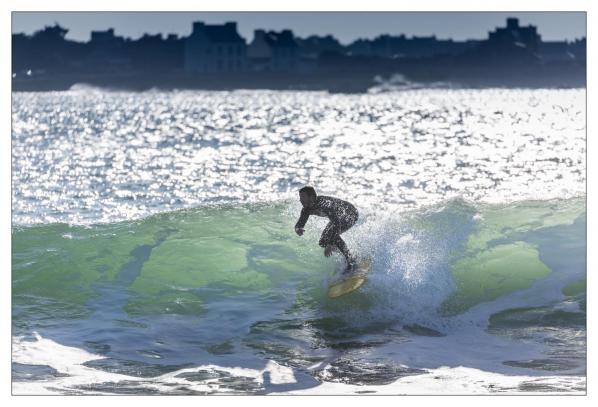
<point x="47" y="51"/>
<point x="388" y="46"/>
<point x="512" y="43"/>
<point x="555" y="51"/>
<point x="314" y="45"/>
<point x="216" y="56"/>
<point x="273" y="51"/>
<point x="514" y="35"/>
<point x="107" y="53"/>
<point x="215" y="48"/>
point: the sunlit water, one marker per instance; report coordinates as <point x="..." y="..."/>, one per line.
<point x="153" y="249"/>
<point x="88" y="156"/>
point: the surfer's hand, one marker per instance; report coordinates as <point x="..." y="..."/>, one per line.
<point x="328" y="250"/>
<point x="299" y="231"/>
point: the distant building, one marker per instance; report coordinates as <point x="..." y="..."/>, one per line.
<point x="104" y="37"/>
<point x="360" y="47"/>
<point x="415" y="47"/>
<point x="107" y="53"/>
<point x="578" y="48"/>
<point x="47" y="50"/>
<point x="314" y="45"/>
<point x="555" y="51"/>
<point x="215" y="48"/>
<point x="153" y="53"/>
<point x="274" y="52"/>
<point x="388" y="46"/>
<point x="514" y="36"/>
<point x="506" y="49"/>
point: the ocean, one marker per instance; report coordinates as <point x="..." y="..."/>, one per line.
<point x="153" y="249"/>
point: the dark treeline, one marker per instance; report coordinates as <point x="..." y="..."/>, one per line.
<point x="216" y="56"/>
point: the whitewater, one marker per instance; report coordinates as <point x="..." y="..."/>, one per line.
<point x="153" y="249"/>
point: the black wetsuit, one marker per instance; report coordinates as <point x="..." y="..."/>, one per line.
<point x="342" y="216"/>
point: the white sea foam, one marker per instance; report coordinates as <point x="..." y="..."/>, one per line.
<point x="69" y="362"/>
<point x="457" y="381"/>
<point x="443" y="380"/>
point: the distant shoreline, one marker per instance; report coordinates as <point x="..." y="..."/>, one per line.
<point x="333" y="82"/>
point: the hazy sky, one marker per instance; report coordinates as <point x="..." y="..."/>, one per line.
<point x="345" y="26"/>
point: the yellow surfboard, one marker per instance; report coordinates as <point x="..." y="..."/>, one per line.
<point x="351" y="281"/>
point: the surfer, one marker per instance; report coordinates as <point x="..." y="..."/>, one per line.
<point x="342" y="216"/>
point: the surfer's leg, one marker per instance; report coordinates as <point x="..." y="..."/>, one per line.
<point x="330" y="231"/>
<point x="342" y="247"/>
<point x="331" y="235"/>
<point x="347" y="223"/>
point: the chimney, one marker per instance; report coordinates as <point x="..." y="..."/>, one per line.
<point x="512" y="23"/>
<point x="198" y="26"/>
<point x="258" y="34"/>
<point x="231" y="25"/>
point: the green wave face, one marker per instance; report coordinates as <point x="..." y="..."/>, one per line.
<point x="161" y="260"/>
<point x="513" y="246"/>
<point x="177" y="263"/>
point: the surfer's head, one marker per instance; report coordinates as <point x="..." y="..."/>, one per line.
<point x="307" y="196"/>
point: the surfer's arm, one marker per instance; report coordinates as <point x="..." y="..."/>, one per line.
<point x="301" y="222"/>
